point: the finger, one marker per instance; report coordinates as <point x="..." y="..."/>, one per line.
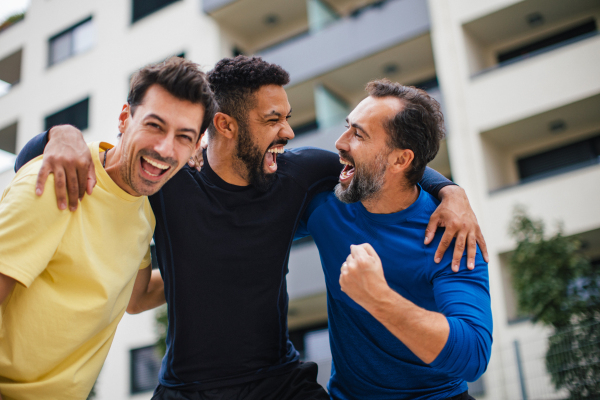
<point x="72" y="188"/>
<point x="91" y="179"/>
<point x="471" y="251"/>
<point x="459" y="248"/>
<point x="60" y="187"/>
<point x="41" y="179"/>
<point x="191" y="162"/>
<point x="483" y="247"/>
<point x="431" y="228"/>
<point x="443" y="246"/>
<point x="82" y="182"/>
<point x="370" y="251"/>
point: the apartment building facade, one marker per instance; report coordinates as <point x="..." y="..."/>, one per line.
<point x="517" y="80"/>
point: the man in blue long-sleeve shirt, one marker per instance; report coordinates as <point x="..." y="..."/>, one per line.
<point x="401" y="326"/>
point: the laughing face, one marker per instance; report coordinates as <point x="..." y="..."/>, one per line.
<point x="263" y="136"/>
<point x="157" y="141"/>
<point x="364" y="150"/>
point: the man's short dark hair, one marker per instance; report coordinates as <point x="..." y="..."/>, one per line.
<point x="418" y="127"/>
<point x="181" y="78"/>
<point x="235" y="80"/>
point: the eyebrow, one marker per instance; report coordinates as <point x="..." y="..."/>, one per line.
<point x="194" y="131"/>
<point x="277" y="114"/>
<point x="358" y="127"/>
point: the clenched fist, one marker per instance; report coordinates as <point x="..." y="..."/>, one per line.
<point x="362" y="278"/>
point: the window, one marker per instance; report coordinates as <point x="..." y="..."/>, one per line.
<point x="10" y="71"/>
<point x="143" y="8"/>
<point x="76" y="115"/>
<point x="145" y="365"/>
<point x="580" y="31"/>
<point x="72" y="41"/>
<point x="571" y="156"/>
<point x="8" y="138"/>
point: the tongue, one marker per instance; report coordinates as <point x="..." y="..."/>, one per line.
<point x="269" y="159"/>
<point x="151" y="168"/>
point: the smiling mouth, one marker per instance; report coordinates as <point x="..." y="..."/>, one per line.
<point x="347" y="172"/>
<point x="153" y="168"/>
<point x="271" y="158"/>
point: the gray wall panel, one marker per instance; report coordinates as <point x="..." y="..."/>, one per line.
<point x="351" y="39"/>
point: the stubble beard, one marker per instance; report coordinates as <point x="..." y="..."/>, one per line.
<point x="366" y="182"/>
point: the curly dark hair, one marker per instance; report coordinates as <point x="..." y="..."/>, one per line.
<point x="235" y="80"/>
<point x="181" y="78"/>
<point x="418" y="127"/>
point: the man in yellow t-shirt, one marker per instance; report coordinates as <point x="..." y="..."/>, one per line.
<point x="66" y="278"/>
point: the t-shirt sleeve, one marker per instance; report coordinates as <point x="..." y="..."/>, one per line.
<point x="464" y="299"/>
<point x="147" y="259"/>
<point x="31" y="228"/>
<point x="432" y="182"/>
<point x="33" y="148"/>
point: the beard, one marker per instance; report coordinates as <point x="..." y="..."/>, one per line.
<point x="366" y="182"/>
<point x="249" y="160"/>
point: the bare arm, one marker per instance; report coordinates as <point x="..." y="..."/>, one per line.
<point x="457" y="216"/>
<point x="148" y="291"/>
<point x="67" y="157"/>
<point x="424" y="332"/>
<point x="6" y="286"/>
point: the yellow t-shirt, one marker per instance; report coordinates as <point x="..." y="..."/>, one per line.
<point x="76" y="272"/>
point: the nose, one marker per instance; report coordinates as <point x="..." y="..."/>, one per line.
<point x="286" y="131"/>
<point x="342" y="142"/>
<point x="165" y="145"/>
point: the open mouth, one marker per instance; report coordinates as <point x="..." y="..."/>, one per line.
<point x="153" y="168"/>
<point x="271" y="158"/>
<point x="347" y="172"/>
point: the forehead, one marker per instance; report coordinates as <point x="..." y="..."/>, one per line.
<point x="372" y="112"/>
<point x="159" y="101"/>
<point x="271" y="98"/>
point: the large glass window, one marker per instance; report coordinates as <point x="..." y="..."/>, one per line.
<point x="72" y="41"/>
<point x="145" y="365"/>
<point x="143" y="8"/>
<point x="76" y="115"/>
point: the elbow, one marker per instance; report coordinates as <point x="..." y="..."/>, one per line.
<point x="134" y="308"/>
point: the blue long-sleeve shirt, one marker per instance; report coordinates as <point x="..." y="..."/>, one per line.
<point x="370" y="362"/>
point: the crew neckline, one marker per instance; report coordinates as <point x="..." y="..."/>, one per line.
<point x="399" y="216"/>
<point x="215" y="179"/>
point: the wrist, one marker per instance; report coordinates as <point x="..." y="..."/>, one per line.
<point x="450" y="190"/>
<point x="384" y="305"/>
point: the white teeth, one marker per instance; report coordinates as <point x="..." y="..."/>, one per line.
<point x="344" y="162"/>
<point x="278" y="150"/>
<point x="154" y="163"/>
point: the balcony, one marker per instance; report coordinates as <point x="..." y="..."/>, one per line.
<point x="540" y="83"/>
<point x="351" y="39"/>
<point x="527" y="29"/>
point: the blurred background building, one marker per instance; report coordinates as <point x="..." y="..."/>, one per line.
<point x="518" y="81"/>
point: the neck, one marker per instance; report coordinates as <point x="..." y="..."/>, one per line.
<point x="113" y="167"/>
<point x="221" y="157"/>
<point x="392" y="199"/>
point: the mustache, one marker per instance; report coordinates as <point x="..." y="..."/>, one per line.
<point x="278" y="141"/>
<point x="153" y="154"/>
<point x="343" y="154"/>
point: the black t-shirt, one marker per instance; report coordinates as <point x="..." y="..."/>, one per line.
<point x="223" y="253"/>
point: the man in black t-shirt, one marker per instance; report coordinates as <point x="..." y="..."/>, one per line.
<point x="223" y="236"/>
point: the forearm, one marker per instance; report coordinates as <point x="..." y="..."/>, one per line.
<point x="33" y="148"/>
<point x="6" y="286"/>
<point x="148" y="292"/>
<point x="433" y="182"/>
<point x="424" y="332"/>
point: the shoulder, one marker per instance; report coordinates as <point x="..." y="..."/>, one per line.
<point x="310" y="164"/>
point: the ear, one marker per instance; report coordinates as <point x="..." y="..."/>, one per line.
<point x="225" y="125"/>
<point x="124" y="118"/>
<point x="399" y="160"/>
